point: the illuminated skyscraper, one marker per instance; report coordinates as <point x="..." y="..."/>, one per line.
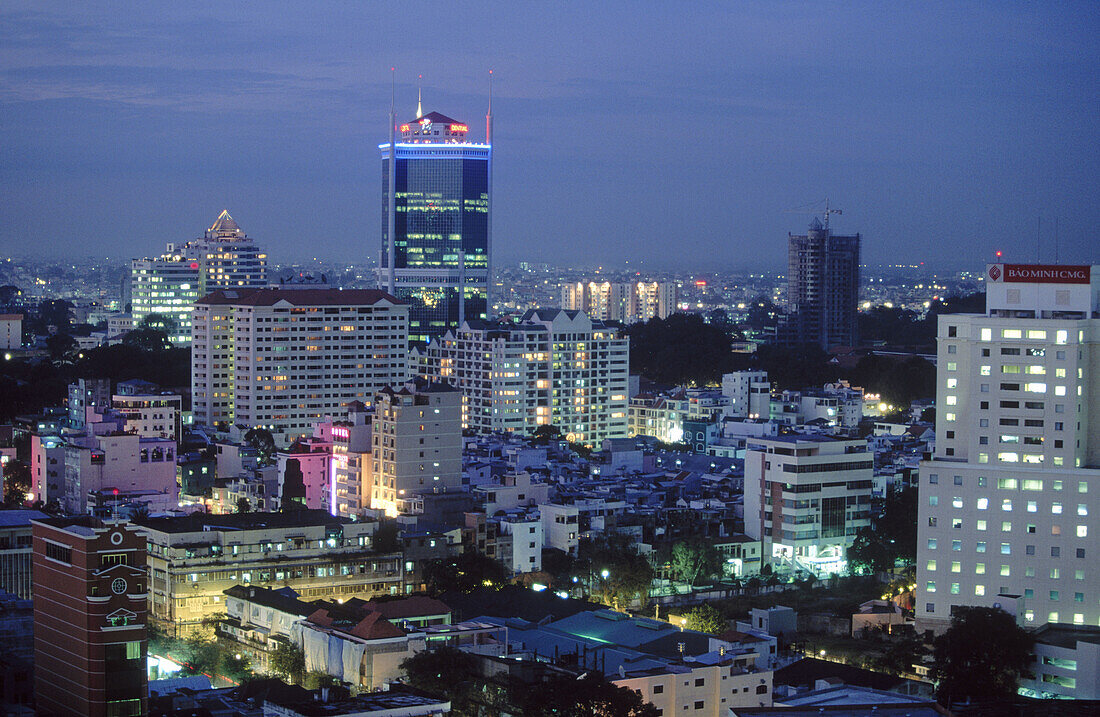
<point x="436" y="228"/>
<point x="223" y="258"/>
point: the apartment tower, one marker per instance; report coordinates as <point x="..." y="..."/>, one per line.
<point x="1007" y="502"/>
<point x="285" y="357"/>
<point x="552" y="367"/>
<point x="224" y="257"/>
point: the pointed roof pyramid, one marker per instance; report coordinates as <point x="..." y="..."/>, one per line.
<point x="224" y="223"/>
<point x="435" y="118"/>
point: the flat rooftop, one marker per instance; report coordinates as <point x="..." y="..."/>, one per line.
<point x="197" y="522"/>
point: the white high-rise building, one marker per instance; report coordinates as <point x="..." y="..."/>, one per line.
<point x="1007" y="507"/>
<point x="624" y="302"/>
<point x="223" y="258"/>
<point x="749" y="393"/>
<point x="554" y="367"/>
<point x="806" y="496"/>
<point x="283" y="358"/>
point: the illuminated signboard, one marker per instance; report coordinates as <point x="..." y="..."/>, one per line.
<point x="404" y="128"/>
<point x="459" y="128"/>
<point x="1040" y="273"/>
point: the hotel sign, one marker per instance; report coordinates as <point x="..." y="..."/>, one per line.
<point x="1039" y="273"/>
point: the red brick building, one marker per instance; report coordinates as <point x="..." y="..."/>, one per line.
<point x="89" y="618"/>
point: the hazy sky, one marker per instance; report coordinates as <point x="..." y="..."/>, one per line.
<point x="670" y="132"/>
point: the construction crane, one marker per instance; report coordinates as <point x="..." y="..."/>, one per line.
<point x="815" y="212"/>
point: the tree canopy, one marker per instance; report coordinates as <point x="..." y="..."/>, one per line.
<point x="706" y="618"/>
<point x="680" y="350"/>
<point x="981" y="656"/>
<point x="892" y="537"/>
<point x="264" y="443"/>
<point x="628" y="574"/>
<point x="695" y="559"/>
<point x="17" y="483"/>
<point x="288" y="661"/>
<point x="588" y="696"/>
<point x="463" y="573"/>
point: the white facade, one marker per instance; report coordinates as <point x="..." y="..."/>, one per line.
<point x="1006" y="506"/>
<point x="749" y="393"/>
<point x="1066" y="663"/>
<point x="283" y="358"/>
<point x="223" y="258"/>
<point x="561" y="526"/>
<point x="625" y="302"/>
<point x="555" y="368"/>
<point x="805" y="498"/>
<point x="151" y="415"/>
<point x="699" y="688"/>
<point x="11" y="331"/>
<point x="526" y="532"/>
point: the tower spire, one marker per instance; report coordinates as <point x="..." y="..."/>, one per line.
<point x="419" y="107"/>
<point x="489" y="113"/>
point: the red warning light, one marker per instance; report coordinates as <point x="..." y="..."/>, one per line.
<point x="998" y="253"/>
<point x="115" y="491"/>
<point x="194" y="265"/>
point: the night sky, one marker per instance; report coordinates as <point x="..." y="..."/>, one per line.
<point x="623" y="131"/>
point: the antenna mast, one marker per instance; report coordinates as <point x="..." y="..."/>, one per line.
<point x="489" y="113"/>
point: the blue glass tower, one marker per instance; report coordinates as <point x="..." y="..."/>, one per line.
<point x="436" y="228"/>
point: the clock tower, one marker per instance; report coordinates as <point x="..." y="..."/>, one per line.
<point x="90" y="642"/>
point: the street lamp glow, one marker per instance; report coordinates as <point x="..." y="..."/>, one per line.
<point x="605" y="574"/>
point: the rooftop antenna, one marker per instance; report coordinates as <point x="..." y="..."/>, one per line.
<point x="489" y="113"/>
<point x="419" y="108"/>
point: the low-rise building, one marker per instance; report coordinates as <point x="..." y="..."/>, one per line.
<point x="195" y="558"/>
<point x="805" y="499"/>
<point x="676" y="670"/>
<point x="1066" y="663"/>
<point x="125" y="462"/>
<point x="156" y="415"/>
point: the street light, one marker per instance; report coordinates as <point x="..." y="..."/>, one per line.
<point x="605" y="574"/>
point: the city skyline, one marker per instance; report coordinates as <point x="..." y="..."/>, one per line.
<point x="130" y="114"/>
